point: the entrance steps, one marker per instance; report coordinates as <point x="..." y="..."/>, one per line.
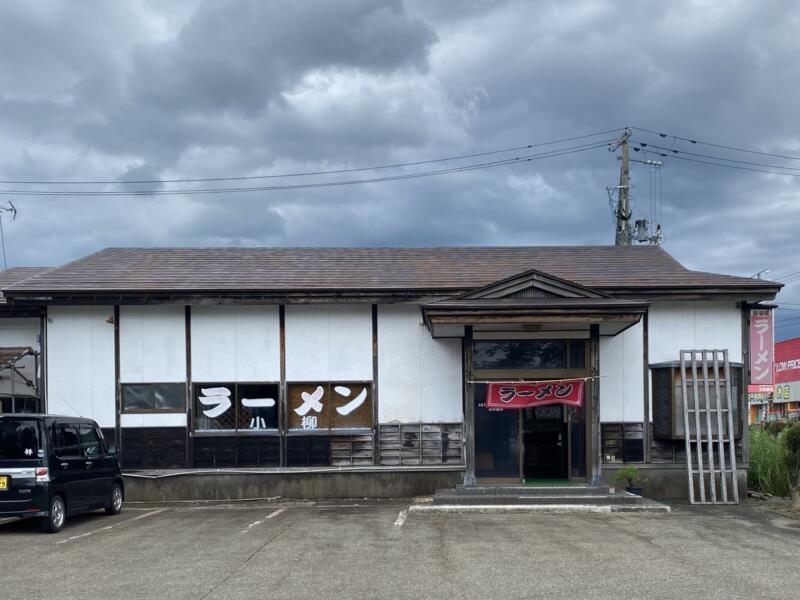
<point x="554" y="499"/>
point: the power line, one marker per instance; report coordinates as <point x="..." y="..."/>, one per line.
<point x="742" y="162"/>
<point x="713" y="145"/>
<point x="312" y="173"/>
<point x="460" y="169"/>
<point x="716" y="164"/>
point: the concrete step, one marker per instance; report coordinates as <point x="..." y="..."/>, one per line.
<point x="526" y="490"/>
<point x="507" y="499"/>
<point x="432" y="509"/>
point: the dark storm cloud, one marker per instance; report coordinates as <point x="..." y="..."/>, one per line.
<point x="183" y="90"/>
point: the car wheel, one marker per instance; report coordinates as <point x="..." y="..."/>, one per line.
<point x="57" y="515"/>
<point x="114" y="506"/>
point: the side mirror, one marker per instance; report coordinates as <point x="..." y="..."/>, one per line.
<point x="112" y="449"/>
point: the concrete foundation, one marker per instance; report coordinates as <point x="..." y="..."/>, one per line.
<point x="666" y="481"/>
<point x="367" y="482"/>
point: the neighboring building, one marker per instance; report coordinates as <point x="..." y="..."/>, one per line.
<point x="376" y="360"/>
<point x="784" y="403"/>
<point x="21" y="373"/>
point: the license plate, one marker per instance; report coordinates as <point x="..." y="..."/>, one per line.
<point x="3" y="482"/>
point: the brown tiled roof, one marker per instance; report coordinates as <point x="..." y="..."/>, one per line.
<point x="16" y="275"/>
<point x="314" y="269"/>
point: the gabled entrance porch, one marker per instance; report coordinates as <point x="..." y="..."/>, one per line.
<point x="529" y="328"/>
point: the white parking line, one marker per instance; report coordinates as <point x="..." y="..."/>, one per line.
<point x="401" y="518"/>
<point x="83" y="535"/>
<point x="8" y="520"/>
<point x="271" y="515"/>
<point x="107" y="527"/>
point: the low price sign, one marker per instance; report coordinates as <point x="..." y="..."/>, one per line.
<point x="524" y="395"/>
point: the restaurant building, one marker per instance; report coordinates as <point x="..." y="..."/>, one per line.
<point x="784" y="402"/>
<point x="369" y="371"/>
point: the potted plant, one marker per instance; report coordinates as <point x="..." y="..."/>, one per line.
<point x="631" y="475"/>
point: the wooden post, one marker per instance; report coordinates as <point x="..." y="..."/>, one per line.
<point x="469" y="410"/>
<point x="376" y="450"/>
<point x="187" y="324"/>
<point x="117" y="387"/>
<point x="646" y="433"/>
<point x="283" y="419"/>
<point x="594" y="371"/>
<point x="743" y="399"/>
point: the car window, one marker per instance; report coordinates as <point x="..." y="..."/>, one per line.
<point x="90" y="441"/>
<point x="19" y="439"/>
<point x="66" y="441"/>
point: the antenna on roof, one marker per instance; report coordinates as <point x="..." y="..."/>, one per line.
<point x="9" y="209"/>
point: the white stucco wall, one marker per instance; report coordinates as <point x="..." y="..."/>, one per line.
<point x="80" y="362"/>
<point x="419" y="379"/>
<point x="676" y="326"/>
<point x="152" y="344"/>
<point x="19" y="332"/>
<point x="235" y="343"/>
<point x="622" y="376"/>
<point x="329" y="343"/>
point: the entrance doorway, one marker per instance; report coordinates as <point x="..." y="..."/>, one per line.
<point x="545" y="442"/>
<point x="542" y="442"/>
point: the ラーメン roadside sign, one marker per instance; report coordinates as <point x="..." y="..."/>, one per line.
<point x="762" y="344"/>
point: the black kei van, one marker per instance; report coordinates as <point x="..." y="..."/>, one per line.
<point x="54" y="467"/>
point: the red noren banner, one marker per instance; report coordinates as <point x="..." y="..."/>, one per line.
<point x="523" y="395"/>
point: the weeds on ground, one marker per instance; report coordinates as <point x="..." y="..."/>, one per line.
<point x="767" y="470"/>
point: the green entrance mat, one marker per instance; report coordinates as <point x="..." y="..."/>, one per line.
<point x="550" y="482"/>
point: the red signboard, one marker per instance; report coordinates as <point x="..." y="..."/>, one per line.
<point x="523" y="395"/>
<point x="787" y="361"/>
<point x="762" y="345"/>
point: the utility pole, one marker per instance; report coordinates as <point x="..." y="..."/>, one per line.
<point x="622" y="213"/>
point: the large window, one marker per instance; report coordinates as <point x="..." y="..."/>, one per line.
<point x="529" y="354"/>
<point x="153" y="397"/>
<point x="330" y="406"/>
<point x="20" y="404"/>
<point x="668" y="420"/>
<point x="236" y="406"/>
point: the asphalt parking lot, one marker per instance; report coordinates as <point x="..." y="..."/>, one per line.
<point x="375" y="550"/>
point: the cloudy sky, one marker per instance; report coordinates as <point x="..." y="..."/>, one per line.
<point x="155" y="89"/>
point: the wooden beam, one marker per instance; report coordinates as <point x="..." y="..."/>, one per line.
<point x="469" y="410"/>
<point x="117" y="388"/>
<point x="376" y="454"/>
<point x="646" y="389"/>
<point x="189" y="396"/>
<point x="594" y="371"/>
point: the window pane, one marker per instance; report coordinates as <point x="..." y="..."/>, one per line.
<point x="90" y="442"/>
<point x="19" y="440"/>
<point x="520" y="354"/>
<point x="66" y="442"/>
<point x="137" y="397"/>
<point x="258" y="406"/>
<point x="577" y="354"/>
<point x="214" y="406"/>
<point x="496" y="436"/>
<point x="170" y="396"/>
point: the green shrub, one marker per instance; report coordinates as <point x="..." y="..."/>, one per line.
<point x="774" y="428"/>
<point x="791" y="448"/>
<point x="629" y="474"/>
<point x="767" y="472"/>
